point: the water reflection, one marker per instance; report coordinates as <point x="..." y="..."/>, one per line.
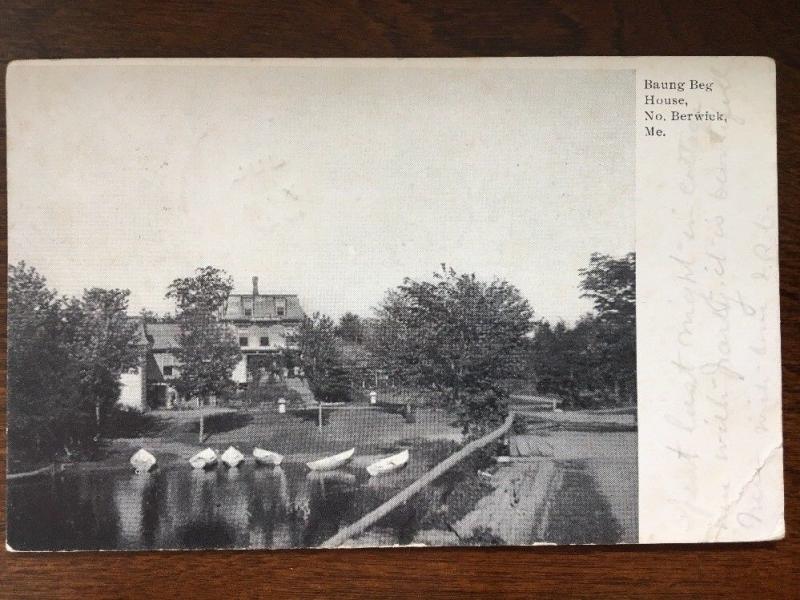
<point x="129" y="501"/>
<point x="268" y="510"/>
<point x="248" y="507"/>
<point x="330" y="498"/>
<point x="285" y="507"/>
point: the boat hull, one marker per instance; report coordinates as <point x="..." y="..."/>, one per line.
<point x="389" y="464"/>
<point x="143" y="461"/>
<point x="267" y="458"/>
<point x="329" y="463"/>
<point x="232" y="457"/>
<point x="205" y="459"/>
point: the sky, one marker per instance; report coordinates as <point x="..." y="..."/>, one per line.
<point x="331" y="181"/>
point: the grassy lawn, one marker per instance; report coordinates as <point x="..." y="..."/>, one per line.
<point x="174" y="434"/>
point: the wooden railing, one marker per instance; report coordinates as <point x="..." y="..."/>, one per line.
<point x="42" y="471"/>
<point x="384" y="509"/>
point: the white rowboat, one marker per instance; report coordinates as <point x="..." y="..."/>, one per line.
<point x="203" y="459"/>
<point x="232" y="457"/>
<point x="143" y="461"/>
<point x="265" y="457"/>
<point x="388" y="464"/>
<point x="331" y="462"/>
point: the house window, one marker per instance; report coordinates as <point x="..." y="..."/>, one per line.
<point x="247" y="305"/>
<point x="264" y="341"/>
<point x="168" y="371"/>
<point x="260" y="307"/>
<point x="280" y="306"/>
<point x="244" y="341"/>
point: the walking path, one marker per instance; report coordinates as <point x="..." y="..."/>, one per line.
<point x="529" y="483"/>
<point x="301" y="387"/>
<point x="517" y="510"/>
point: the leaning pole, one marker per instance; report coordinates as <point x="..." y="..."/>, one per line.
<point x="384" y="509"/>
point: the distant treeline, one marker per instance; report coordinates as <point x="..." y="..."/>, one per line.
<point x="593" y="362"/>
<point x="460" y="334"/>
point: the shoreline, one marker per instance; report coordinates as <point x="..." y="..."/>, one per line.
<point x="172" y="452"/>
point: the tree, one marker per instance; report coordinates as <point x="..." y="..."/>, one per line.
<point x="593" y="362"/>
<point x="149" y="316"/>
<point x="611" y="284"/>
<point x="42" y="386"/>
<point x="65" y="357"/>
<point x="350" y="328"/>
<point x="207" y="350"/>
<point x="460" y="336"/>
<point x="204" y="292"/>
<point x="321" y="360"/>
<point x="105" y="344"/>
<point x="565" y="359"/>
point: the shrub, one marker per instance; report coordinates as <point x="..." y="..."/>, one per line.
<point x="123" y="422"/>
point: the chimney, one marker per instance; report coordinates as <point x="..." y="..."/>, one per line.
<point x="255" y="286"/>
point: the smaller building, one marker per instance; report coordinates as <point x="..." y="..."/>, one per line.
<point x="133" y="382"/>
<point x="162" y="364"/>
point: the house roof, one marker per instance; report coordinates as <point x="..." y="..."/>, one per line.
<point x="163" y="336"/>
<point x="139" y="336"/>
<point x="263" y="308"/>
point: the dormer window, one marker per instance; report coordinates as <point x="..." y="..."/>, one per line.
<point x="280" y="307"/>
<point x="260" y="308"/>
<point x="247" y="307"/>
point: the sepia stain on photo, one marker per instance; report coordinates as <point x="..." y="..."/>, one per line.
<point x="320" y="306"/>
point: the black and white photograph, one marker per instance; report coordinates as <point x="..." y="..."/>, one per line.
<point x="274" y="305"/>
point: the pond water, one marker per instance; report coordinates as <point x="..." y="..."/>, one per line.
<point x="249" y="507"/>
<point x="262" y="507"/>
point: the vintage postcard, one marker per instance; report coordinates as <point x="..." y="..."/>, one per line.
<point x="294" y="303"/>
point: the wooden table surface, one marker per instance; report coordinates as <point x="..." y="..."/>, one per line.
<point x="47" y="29"/>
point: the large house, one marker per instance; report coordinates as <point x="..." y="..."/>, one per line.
<point x="265" y="326"/>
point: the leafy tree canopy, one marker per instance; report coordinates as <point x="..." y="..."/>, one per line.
<point x="204" y="292"/>
<point x="150" y="316"/>
<point x="105" y="341"/>
<point x="459" y="335"/>
<point x="321" y="359"/>
<point x="611" y="284"/>
<point x="207" y="351"/>
<point x="65" y="357"/>
<point x="593" y="362"/>
<point x="350" y="328"/>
